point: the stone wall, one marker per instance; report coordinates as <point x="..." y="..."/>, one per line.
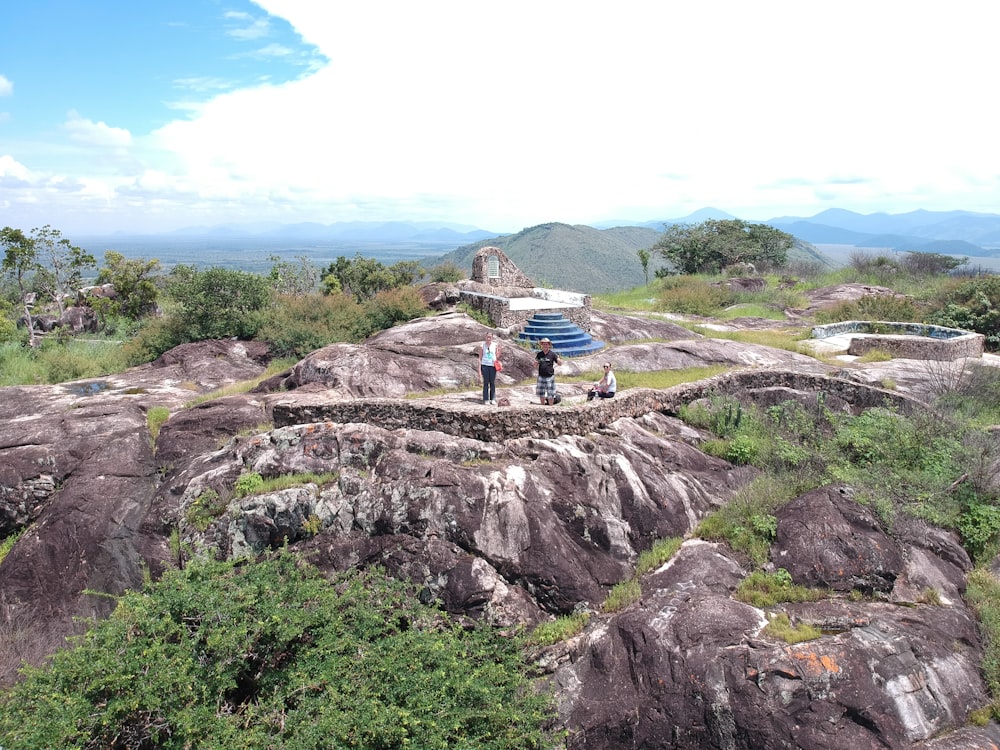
<point x="498" y="307"/>
<point x="906" y="340"/>
<point x="569" y="419"/>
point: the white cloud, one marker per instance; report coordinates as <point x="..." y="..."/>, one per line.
<point x="520" y="113"/>
<point x="6" y="86"/>
<point x="11" y="169"/>
<point x="249" y="27"/>
<point x="90" y="133"/>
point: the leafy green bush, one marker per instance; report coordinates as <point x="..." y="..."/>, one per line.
<point x="973" y="305"/>
<point x="389" y="307"/>
<point x="446" y="272"/>
<point x="248" y="484"/>
<point x="272" y="654"/>
<point x="218" y="303"/>
<point x="297" y="325"/>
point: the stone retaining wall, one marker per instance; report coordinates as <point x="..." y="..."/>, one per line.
<point x="906" y="340"/>
<point x="502" y="424"/>
<point x="498" y="309"/>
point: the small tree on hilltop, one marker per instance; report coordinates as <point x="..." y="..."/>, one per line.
<point x="643" y="254"/>
<point x="19" y="262"/>
<point x="714" y="244"/>
<point x="134" y="282"/>
<point x="59" y="264"/>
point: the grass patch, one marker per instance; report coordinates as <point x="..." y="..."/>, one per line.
<point x="244" y="386"/>
<point x="560" y="629"/>
<point x="752" y="310"/>
<point x="875" y="355"/>
<point x="781" y="627"/>
<point x="664" y="378"/>
<point x="254" y="484"/>
<point x="983" y="594"/>
<point x="156" y="416"/>
<point x="55" y="361"/>
<point x="8" y="544"/>
<point x="622" y="595"/>
<point x="747" y="522"/>
<point x="760" y="589"/>
<point x="661" y="551"/>
<point x="776" y="339"/>
<point x="641" y="298"/>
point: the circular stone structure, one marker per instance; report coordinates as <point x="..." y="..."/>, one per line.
<point x="905" y="340"/>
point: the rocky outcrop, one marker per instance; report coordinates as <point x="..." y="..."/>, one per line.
<point x="514" y="515"/>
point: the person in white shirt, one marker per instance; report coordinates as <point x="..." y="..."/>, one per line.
<point x="606" y="386"/>
<point x="489" y="353"/>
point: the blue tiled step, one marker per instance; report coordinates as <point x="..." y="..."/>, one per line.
<point x="568" y="339"/>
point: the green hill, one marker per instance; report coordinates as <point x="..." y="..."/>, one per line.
<point x="580" y="258"/>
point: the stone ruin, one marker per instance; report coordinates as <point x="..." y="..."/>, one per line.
<point x="509" y="298"/>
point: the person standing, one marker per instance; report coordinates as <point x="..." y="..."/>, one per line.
<point x="489" y="354"/>
<point x="606" y="386"/>
<point x="545" y="363"/>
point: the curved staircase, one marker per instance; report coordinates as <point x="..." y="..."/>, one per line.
<point x="568" y="339"/>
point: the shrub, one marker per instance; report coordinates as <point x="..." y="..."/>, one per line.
<point x="973" y="305"/>
<point x="389" y="307"/>
<point x="218" y="303"/>
<point x="692" y="295"/>
<point x="297" y="325"/>
<point x="248" y="484"/>
<point x="446" y="272"/>
<point x="873" y="307"/>
<point x="206" y="508"/>
<point x="272" y="654"/>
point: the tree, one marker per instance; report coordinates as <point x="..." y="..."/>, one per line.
<point x="218" y="303"/>
<point x="714" y="244"/>
<point x="366" y="277"/>
<point x="293" y="278"/>
<point x="59" y="264"/>
<point x="134" y="282"/>
<point x="643" y="254"/>
<point x="19" y="262"/>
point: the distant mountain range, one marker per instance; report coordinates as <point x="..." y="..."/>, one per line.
<point x="948" y="232"/>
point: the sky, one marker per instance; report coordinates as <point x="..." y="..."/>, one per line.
<point x="126" y="116"/>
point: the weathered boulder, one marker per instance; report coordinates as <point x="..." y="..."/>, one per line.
<point x="79" y="319"/>
<point x="687" y="666"/>
<point x="826" y="539"/>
